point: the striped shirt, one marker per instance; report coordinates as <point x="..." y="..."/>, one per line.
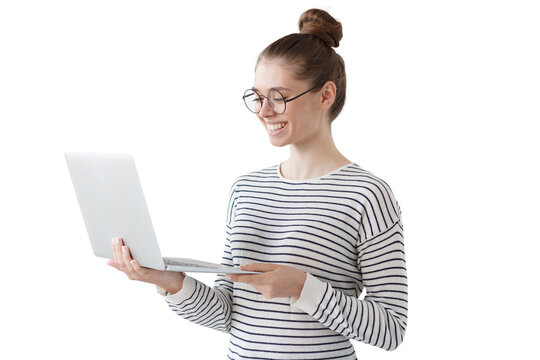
<point x="344" y="230"/>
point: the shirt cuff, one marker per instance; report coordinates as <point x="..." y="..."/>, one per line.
<point x="311" y="296"/>
<point x="188" y="287"/>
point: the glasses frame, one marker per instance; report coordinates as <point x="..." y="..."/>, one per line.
<point x="285" y="101"/>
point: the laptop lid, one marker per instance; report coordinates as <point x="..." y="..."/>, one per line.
<point x="113" y="205"/>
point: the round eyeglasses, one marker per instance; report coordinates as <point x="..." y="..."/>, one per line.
<point x="276" y="100"/>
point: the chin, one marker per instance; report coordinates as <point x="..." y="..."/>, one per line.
<point x="278" y="143"/>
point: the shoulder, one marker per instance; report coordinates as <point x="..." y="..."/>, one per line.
<point x="262" y="174"/>
<point x="252" y="177"/>
<point x="371" y="185"/>
<point x="380" y="207"/>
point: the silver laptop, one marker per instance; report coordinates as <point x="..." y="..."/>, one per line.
<point x="113" y="205"/>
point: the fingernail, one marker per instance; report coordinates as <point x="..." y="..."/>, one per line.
<point x="124" y="249"/>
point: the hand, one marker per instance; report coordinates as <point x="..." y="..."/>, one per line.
<point x="275" y="281"/>
<point x="167" y="280"/>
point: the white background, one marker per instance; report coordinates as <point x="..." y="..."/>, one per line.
<point x="442" y="101"/>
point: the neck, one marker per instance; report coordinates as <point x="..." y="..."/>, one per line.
<point x="313" y="157"/>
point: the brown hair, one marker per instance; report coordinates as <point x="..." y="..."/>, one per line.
<point x="310" y="53"/>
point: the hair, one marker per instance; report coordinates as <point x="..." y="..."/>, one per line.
<point x="310" y="54"/>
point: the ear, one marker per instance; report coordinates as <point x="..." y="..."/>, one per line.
<point x="328" y="94"/>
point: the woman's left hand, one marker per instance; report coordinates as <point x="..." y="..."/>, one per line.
<point x="275" y="280"/>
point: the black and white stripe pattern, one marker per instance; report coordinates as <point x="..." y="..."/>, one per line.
<point x="344" y="229"/>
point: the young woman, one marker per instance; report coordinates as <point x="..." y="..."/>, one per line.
<point x="318" y="227"/>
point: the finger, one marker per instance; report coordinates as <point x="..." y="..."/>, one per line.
<point x="127" y="258"/>
<point x="232" y="277"/>
<point x="120" y="244"/>
<point x="257" y="266"/>
<point x="247" y="278"/>
<point x="112" y="264"/>
<point x="116" y="253"/>
<point x="138" y="269"/>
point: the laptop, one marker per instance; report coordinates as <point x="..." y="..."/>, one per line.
<point x="112" y="203"/>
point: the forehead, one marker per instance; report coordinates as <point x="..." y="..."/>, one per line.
<point x="274" y="74"/>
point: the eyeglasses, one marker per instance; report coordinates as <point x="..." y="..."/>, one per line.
<point x="276" y="100"/>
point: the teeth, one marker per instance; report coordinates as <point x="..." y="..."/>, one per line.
<point x="275" y="127"/>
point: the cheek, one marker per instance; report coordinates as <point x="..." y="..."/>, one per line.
<point x="302" y="121"/>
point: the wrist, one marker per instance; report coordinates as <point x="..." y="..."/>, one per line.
<point x="174" y="284"/>
<point x="301" y="283"/>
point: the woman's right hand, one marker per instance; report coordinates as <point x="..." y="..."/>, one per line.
<point x="168" y="280"/>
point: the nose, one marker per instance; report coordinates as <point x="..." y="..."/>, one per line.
<point x="266" y="110"/>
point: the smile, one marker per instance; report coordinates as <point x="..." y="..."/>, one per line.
<point x="275" y="126"/>
<point x="275" y="129"/>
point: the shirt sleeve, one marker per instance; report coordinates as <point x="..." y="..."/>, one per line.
<point x="202" y="304"/>
<point x="380" y="319"/>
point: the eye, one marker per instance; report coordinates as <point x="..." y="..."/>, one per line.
<point x="276" y="97"/>
<point x="252" y="97"/>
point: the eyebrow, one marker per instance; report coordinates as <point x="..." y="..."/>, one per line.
<point x="272" y="88"/>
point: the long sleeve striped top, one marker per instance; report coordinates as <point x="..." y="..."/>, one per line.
<point x="344" y="230"/>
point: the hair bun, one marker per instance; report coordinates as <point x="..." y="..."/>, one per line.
<point x="321" y="24"/>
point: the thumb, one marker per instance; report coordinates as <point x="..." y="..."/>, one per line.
<point x="259" y="267"/>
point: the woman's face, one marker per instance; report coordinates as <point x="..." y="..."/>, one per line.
<point x="302" y="118"/>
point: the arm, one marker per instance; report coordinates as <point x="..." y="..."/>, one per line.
<point x="201" y="304"/>
<point x="380" y="319"/>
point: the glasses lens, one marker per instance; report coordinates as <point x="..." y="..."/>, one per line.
<point x="277" y="102"/>
<point x="252" y="101"/>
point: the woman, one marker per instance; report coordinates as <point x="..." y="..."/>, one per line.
<point x="317" y="226"/>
